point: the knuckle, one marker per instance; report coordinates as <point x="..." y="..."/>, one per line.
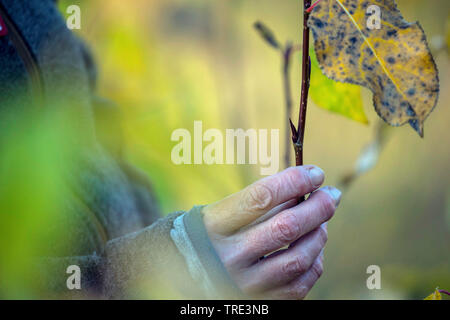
<point x="285" y="229"/>
<point x="259" y="197"/>
<point x="294" y="267"/>
<point x="294" y="178"/>
<point x="298" y="179"/>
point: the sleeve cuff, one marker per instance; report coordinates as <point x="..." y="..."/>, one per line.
<point x="191" y="238"/>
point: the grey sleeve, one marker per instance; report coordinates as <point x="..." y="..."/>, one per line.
<point x="157" y="262"/>
<point x="192" y="240"/>
<point x="143" y="264"/>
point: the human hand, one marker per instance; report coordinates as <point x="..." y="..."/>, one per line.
<point x="264" y="219"/>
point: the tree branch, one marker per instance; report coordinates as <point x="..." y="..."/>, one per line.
<point x="299" y="133"/>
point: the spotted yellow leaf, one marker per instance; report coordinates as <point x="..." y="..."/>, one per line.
<point x="436" y="295"/>
<point x="393" y="61"/>
<point x="342" y="98"/>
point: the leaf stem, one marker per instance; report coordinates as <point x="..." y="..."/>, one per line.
<point x="310" y="8"/>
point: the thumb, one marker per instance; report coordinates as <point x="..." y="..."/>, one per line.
<point x="239" y="209"/>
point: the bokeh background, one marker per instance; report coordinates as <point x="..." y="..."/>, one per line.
<point x="170" y="62"/>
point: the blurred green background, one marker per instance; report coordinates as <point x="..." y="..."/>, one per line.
<point x="170" y="62"/>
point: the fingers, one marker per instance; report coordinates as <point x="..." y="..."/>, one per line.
<point x="285" y="266"/>
<point x="299" y="288"/>
<point x="242" y="208"/>
<point x="289" y="225"/>
<point x="288" y="204"/>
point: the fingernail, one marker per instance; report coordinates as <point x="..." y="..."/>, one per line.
<point x="334" y="193"/>
<point x="316" y="175"/>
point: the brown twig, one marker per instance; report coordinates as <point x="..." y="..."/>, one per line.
<point x="298" y="133"/>
<point x="286" y="54"/>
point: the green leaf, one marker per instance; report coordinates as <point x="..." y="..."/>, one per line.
<point x="393" y="61"/>
<point x="338" y="97"/>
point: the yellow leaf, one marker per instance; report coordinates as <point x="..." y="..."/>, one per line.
<point x="342" y="98"/>
<point x="436" y="295"/>
<point x="394" y="61"/>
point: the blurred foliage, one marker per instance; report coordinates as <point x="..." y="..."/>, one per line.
<point x="447" y="40"/>
<point x="170" y="62"/>
<point x="33" y="164"/>
<point x="160" y="91"/>
<point x="369" y="155"/>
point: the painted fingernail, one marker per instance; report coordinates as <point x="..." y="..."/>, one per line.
<point x="334" y="193"/>
<point x="317" y="176"/>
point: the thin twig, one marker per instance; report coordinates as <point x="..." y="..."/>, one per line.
<point x="287" y="52"/>
<point x="298" y="134"/>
